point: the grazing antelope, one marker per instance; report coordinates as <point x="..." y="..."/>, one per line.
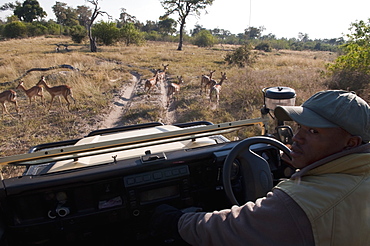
<point x="149" y="83"/>
<point x="162" y="75"/>
<point x="60" y="90"/>
<point x="173" y="88"/>
<point x="215" y="90"/>
<point x="32" y="92"/>
<point x="206" y="81"/>
<point x="8" y="96"/>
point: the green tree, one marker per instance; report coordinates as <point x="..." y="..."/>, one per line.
<point x="167" y="26"/>
<point x="29" y="10"/>
<point x="7" y="6"/>
<point x="65" y="15"/>
<point x="303" y="37"/>
<point x="106" y="32"/>
<point x="253" y="32"/>
<point x="351" y="71"/>
<point x="204" y="38"/>
<point x="184" y="8"/>
<point x="196" y="30"/>
<point x="150" y="26"/>
<point x="131" y="35"/>
<point x="83" y="15"/>
<point x="125" y="17"/>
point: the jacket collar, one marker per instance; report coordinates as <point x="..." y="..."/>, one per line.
<point x="365" y="148"/>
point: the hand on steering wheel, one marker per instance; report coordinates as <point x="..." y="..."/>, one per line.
<point x="255" y="171"/>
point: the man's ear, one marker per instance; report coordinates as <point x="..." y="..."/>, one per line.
<point x="354" y="141"/>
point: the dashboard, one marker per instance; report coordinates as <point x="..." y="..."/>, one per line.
<point x="112" y="203"/>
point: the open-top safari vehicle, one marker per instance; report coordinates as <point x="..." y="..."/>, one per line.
<point x="102" y="189"/>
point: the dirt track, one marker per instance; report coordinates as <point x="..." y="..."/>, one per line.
<point x="126" y="98"/>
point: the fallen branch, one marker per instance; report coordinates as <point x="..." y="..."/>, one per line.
<point x="40" y="69"/>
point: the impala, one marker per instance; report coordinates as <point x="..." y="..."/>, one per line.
<point x="32" y="92"/>
<point x="173" y="88"/>
<point x="60" y="90"/>
<point x="206" y="81"/>
<point x="215" y="90"/>
<point x="8" y="96"/>
<point x="149" y="83"/>
<point x="162" y="75"/>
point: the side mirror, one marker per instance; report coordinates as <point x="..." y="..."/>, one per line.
<point x="285" y="134"/>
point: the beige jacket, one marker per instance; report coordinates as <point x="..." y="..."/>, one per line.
<point x="336" y="199"/>
<point x="273" y="220"/>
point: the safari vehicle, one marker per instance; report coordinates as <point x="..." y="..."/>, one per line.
<point x="102" y="189"/>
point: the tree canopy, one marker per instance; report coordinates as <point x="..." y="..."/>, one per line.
<point x="184" y="8"/>
<point x="29" y="11"/>
<point x="65" y="15"/>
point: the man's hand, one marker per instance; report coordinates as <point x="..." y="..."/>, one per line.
<point x="164" y="222"/>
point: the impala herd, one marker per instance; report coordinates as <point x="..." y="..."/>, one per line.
<point x="207" y="83"/>
<point x="33" y="92"/>
<point x="173" y="89"/>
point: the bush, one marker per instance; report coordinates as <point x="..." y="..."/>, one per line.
<point x="351" y="71"/>
<point x="152" y="36"/>
<point x="264" y="46"/>
<point x="53" y="28"/>
<point x="36" y="29"/>
<point x="78" y="33"/>
<point x="15" y="29"/>
<point x="204" y="39"/>
<point x="106" y="32"/>
<point x="242" y="56"/>
<point x="131" y="35"/>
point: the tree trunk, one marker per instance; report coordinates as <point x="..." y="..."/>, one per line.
<point x="182" y="25"/>
<point x="93" y="47"/>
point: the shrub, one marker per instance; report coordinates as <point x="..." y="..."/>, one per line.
<point x="106" y="32"/>
<point x="78" y="33"/>
<point x="204" y="39"/>
<point x="131" y="35"/>
<point x="53" y="28"/>
<point x="264" y="46"/>
<point x="241" y="57"/>
<point x="351" y="71"/>
<point x="36" y="29"/>
<point x="15" y="29"/>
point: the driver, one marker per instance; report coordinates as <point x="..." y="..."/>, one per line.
<point x="326" y="202"/>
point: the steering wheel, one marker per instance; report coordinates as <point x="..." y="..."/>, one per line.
<point x="255" y="171"/>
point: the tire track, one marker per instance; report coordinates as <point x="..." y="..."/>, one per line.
<point x="124" y="99"/>
<point x="121" y="104"/>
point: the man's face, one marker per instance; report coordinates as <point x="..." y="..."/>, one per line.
<point x="312" y="144"/>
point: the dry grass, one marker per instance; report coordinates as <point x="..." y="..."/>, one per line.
<point x="101" y="74"/>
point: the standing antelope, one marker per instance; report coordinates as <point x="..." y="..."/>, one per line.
<point x="8" y="96"/>
<point x="60" y="90"/>
<point x="149" y="83"/>
<point x="32" y="92"/>
<point x="173" y="88"/>
<point x="162" y="75"/>
<point x="206" y="81"/>
<point x="217" y="88"/>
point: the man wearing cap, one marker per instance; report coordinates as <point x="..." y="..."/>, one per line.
<point x="326" y="202"/>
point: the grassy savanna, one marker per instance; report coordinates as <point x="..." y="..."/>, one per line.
<point x="103" y="73"/>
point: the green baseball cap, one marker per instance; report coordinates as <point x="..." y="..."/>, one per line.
<point x="331" y="108"/>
